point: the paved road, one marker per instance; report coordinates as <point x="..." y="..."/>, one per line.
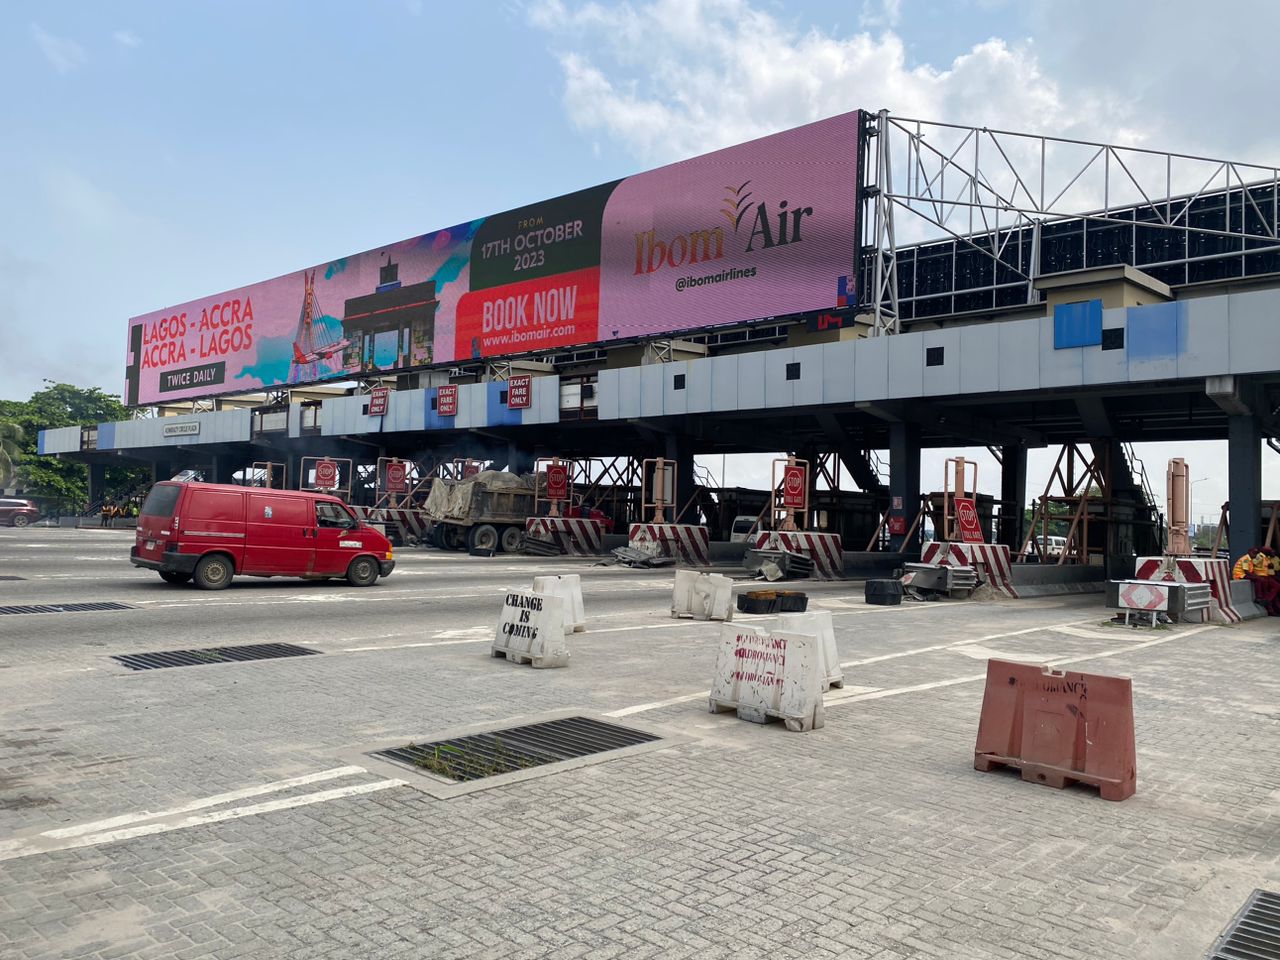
<point x="230" y="810"/>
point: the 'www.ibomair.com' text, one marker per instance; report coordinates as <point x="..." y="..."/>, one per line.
<point x="684" y="283"/>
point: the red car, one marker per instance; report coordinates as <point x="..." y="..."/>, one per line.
<point x="18" y="513"/>
<point x="210" y="532"/>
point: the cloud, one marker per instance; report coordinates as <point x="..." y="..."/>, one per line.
<point x="127" y="38"/>
<point x="65" y="55"/>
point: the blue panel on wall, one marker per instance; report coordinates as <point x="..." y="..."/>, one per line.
<point x="1077" y="324"/>
<point x="106" y="436"/>
<point x="497" y="413"/>
<point x="1152" y="331"/>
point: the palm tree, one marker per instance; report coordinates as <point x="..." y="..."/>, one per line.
<point x="10" y="437"/>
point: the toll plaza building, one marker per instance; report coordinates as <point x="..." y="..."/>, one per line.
<point x="1021" y="323"/>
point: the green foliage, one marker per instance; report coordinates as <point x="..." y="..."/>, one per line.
<point x="63" y="485"/>
<point x="11" y="435"/>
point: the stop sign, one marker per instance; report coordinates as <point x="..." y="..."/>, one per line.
<point x="967" y="517"/>
<point x="795" y="481"/>
<point x="396" y="477"/>
<point x="557" y="481"/>
<point x="326" y="474"/>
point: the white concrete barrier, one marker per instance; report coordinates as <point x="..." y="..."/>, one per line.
<point x="569" y="589"/>
<point x="703" y="596"/>
<point x="762" y="675"/>
<point x="818" y="624"/>
<point x="531" y="630"/>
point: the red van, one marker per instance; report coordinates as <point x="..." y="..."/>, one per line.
<point x="209" y="532"/>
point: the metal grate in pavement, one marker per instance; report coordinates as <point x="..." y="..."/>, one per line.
<point x="1254" y="934"/>
<point x="495" y="752"/>
<point x="9" y="576"/>
<point x="66" y="608"/>
<point x="193" y="658"/>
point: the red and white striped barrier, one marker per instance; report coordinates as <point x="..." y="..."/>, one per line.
<point x="991" y="560"/>
<point x="688" y="543"/>
<point x="824" y="549"/>
<point x="1216" y="573"/>
<point x="577" y="537"/>
<point x="410" y="522"/>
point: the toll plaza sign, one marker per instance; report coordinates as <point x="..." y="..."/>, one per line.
<point x="795" y="487"/>
<point x="762" y="229"/>
<point x="967" y="520"/>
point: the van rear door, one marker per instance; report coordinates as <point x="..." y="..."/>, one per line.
<point x="155" y="520"/>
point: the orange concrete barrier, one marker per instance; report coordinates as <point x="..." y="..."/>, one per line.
<point x="1058" y="727"/>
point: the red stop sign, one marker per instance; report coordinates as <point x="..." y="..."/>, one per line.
<point x="326" y="474"/>
<point x="557" y="482"/>
<point x="397" y="477"/>
<point x="795" y="480"/>
<point x="967" y="517"/>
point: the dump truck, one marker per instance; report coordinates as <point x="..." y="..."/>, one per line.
<point x="486" y="511"/>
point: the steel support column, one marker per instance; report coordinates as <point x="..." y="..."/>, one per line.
<point x="97" y="482"/>
<point x="1013" y="496"/>
<point x="904" y="481"/>
<point x="1244" y="482"/>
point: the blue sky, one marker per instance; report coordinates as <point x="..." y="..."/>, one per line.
<point x="155" y="152"/>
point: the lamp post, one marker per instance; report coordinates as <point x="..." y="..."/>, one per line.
<point x="1191" y="513"/>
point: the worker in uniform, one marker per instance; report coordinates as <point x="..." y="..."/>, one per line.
<point x="1255" y="567"/>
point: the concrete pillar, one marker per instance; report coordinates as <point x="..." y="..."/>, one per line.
<point x="1013" y="496"/>
<point x="1244" y="482"/>
<point x="904" y="481"/>
<point x="679" y="450"/>
<point x="223" y="467"/>
<point x="97" y="482"/>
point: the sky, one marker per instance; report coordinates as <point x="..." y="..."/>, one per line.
<point x="153" y="152"/>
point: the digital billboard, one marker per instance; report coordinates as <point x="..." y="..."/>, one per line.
<point x="766" y="228"/>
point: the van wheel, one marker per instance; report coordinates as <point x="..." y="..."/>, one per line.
<point x="173" y="576"/>
<point x="483" y="536"/>
<point x="214" y="572"/>
<point x="363" y="572"/>
<point x="511" y="539"/>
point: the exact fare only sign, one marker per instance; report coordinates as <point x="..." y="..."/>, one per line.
<point x="447" y="401"/>
<point x="520" y="392"/>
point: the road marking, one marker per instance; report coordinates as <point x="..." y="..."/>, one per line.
<point x="643" y="707"/>
<point x="34" y="846"/>
<point x="214" y="801"/>
<point x="957" y="643"/>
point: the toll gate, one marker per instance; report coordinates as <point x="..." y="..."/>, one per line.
<point x="1004" y="290"/>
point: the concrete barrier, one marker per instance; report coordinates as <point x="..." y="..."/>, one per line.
<point x="575" y="536"/>
<point x="569" y="589"/>
<point x="763" y="675"/>
<point x="991" y="560"/>
<point x="1216" y="573"/>
<point x="531" y="630"/>
<point x="1058" y="727"/>
<point x="819" y="625"/>
<point x="687" y="543"/>
<point x="702" y="596"/>
<point x="822" y="549"/>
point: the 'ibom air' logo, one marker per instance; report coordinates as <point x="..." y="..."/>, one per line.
<point x="707" y="244"/>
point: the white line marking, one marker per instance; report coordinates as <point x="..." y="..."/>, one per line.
<point x="111" y="836"/>
<point x="642" y="707"/>
<point x="957" y="643"/>
<point x="213" y="801"/>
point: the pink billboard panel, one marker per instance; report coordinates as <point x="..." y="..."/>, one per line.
<point x="763" y="229"/>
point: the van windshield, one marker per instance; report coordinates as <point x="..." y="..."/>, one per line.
<point x="161" y="501"/>
<point x="743" y="524"/>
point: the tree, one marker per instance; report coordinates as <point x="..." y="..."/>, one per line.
<point x="64" y="484"/>
<point x="10" y="437"/>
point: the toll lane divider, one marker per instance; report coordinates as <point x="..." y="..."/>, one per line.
<point x="531" y="629"/>
<point x="825" y="550"/>
<point x="575" y="536"/>
<point x="568" y="587"/>
<point x="991" y="560"/>
<point x="1216" y="573"/>
<point x="686" y="543"/>
<point x="818" y="625"/>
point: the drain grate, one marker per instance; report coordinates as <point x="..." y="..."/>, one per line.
<point x="194" y="658"/>
<point x="66" y="608"/>
<point x="488" y="754"/>
<point x="1254" y="934"/>
<point x="9" y="576"/>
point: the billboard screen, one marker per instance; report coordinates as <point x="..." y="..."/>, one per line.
<point x="763" y="229"/>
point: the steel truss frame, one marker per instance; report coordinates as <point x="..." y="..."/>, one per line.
<point x="987" y="189"/>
